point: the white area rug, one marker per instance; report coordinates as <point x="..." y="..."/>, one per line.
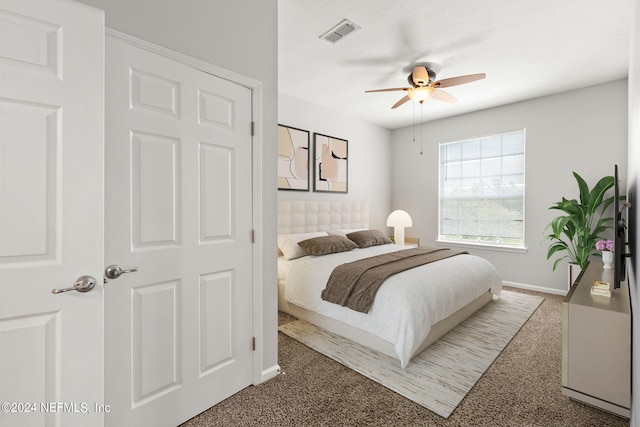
<point x="442" y="375"/>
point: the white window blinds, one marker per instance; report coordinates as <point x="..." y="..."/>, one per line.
<point x="482" y="190"/>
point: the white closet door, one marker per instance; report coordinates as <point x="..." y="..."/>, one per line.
<point x="178" y="208"/>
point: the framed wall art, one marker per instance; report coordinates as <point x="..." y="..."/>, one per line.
<point x="331" y="160"/>
<point x="293" y="158"/>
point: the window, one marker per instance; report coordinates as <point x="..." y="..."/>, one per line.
<point x="482" y="191"/>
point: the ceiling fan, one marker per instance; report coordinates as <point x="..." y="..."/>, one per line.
<point x="424" y="86"/>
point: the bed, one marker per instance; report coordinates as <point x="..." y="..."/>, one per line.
<point x="411" y="310"/>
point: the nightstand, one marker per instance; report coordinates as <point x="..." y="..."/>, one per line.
<point x="411" y="242"/>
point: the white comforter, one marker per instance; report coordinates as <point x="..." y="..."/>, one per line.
<point x="406" y="305"/>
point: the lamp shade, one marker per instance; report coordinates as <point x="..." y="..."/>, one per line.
<point x="399" y="218"/>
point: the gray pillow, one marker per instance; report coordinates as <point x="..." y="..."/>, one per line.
<point x="327" y="245"/>
<point x="367" y="238"/>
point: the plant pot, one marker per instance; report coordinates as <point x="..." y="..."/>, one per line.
<point x="574" y="272"/>
<point x="607" y="259"/>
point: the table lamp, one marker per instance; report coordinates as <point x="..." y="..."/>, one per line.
<point x="399" y="219"/>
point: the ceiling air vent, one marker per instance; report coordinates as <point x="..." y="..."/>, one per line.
<point x="340" y="31"/>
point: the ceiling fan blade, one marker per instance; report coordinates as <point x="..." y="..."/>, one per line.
<point x="443" y="96"/>
<point x="454" y="81"/>
<point x="393" y="89"/>
<point x="402" y="101"/>
<point x="420" y="75"/>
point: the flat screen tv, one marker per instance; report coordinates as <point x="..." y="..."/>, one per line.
<point x="620" y="234"/>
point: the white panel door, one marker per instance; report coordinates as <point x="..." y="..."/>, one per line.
<point x="51" y="212"/>
<point x="178" y="208"/>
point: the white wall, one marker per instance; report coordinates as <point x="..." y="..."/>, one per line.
<point x="583" y="131"/>
<point x="634" y="228"/>
<point x="240" y="36"/>
<point x="369" y="167"/>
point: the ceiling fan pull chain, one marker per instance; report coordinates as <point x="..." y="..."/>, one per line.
<point x="414" y="122"/>
<point x="421" y="128"/>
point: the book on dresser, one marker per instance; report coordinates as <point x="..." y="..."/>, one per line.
<point x="601" y="288"/>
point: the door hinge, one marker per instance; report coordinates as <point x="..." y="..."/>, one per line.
<point x="253" y="128"/>
<point x="254" y="344"/>
<point x="253" y="236"/>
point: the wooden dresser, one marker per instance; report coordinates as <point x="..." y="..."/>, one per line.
<point x="596" y="343"/>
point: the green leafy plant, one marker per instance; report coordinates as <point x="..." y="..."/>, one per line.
<point x="575" y="233"/>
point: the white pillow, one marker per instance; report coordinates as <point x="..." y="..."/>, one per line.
<point x="288" y="243"/>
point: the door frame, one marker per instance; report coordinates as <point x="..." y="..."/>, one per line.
<point x="255" y="86"/>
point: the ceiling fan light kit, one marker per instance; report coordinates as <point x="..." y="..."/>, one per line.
<point x="424" y="86"/>
<point x="421" y="94"/>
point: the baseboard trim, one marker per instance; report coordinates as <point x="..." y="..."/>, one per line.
<point x="535" y="288"/>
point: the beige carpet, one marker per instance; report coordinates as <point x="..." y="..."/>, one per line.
<point x="521" y="388"/>
<point x="442" y="375"/>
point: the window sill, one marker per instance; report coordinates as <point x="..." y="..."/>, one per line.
<point x="515" y="249"/>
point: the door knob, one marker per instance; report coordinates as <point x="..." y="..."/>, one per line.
<point x="114" y="271"/>
<point x="82" y="284"/>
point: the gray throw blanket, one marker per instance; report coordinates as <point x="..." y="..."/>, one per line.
<point x="356" y="283"/>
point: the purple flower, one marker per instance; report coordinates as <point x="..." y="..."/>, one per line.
<point x="605" y="245"/>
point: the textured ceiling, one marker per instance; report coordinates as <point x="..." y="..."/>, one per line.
<point x="527" y="48"/>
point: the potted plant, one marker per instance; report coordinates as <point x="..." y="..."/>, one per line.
<point x="574" y="234"/>
<point x="606" y="248"/>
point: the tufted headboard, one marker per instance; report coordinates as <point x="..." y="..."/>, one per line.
<point x="303" y="216"/>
